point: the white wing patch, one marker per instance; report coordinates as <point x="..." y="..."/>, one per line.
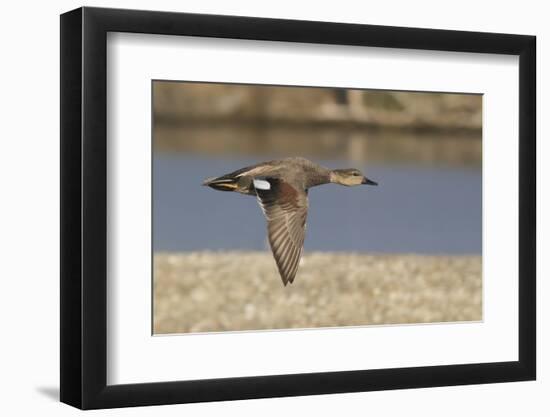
<point x="262" y="185"/>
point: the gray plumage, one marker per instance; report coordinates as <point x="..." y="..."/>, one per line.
<point x="281" y="188"/>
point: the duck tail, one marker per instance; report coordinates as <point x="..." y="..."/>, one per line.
<point x="222" y="183"/>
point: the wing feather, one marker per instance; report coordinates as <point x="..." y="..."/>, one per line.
<point x="285" y="208"/>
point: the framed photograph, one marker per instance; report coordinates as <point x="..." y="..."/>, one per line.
<point x="260" y="208"/>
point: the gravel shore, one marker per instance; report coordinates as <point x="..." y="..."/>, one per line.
<point x="221" y="291"/>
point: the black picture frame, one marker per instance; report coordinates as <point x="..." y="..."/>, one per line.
<point x="84" y="207"/>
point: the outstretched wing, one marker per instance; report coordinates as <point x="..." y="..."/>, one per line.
<point x="285" y="208"/>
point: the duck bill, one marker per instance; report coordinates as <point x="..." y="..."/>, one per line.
<point x="368" y="182"/>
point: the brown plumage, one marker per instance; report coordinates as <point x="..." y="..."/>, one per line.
<point x="281" y="187"/>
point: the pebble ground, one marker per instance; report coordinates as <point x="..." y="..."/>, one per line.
<point x="231" y="291"/>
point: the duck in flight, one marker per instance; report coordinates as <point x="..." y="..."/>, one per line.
<point x="281" y="187"/>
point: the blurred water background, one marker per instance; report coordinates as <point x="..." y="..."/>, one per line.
<point x="424" y="149"/>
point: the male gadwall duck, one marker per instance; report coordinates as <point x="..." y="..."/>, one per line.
<point x="281" y="187"/>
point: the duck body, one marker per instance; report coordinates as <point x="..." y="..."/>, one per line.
<point x="300" y="172"/>
<point x="281" y="188"/>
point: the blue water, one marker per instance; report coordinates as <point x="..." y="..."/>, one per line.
<point x="415" y="209"/>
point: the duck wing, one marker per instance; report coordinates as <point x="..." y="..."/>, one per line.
<point x="285" y="208"/>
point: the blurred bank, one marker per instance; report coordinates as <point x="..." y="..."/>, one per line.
<point x="327" y="123"/>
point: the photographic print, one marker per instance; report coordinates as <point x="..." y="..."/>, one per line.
<point x="281" y="207"/>
<point x="365" y="186"/>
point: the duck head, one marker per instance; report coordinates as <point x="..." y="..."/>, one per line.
<point x="349" y="177"/>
